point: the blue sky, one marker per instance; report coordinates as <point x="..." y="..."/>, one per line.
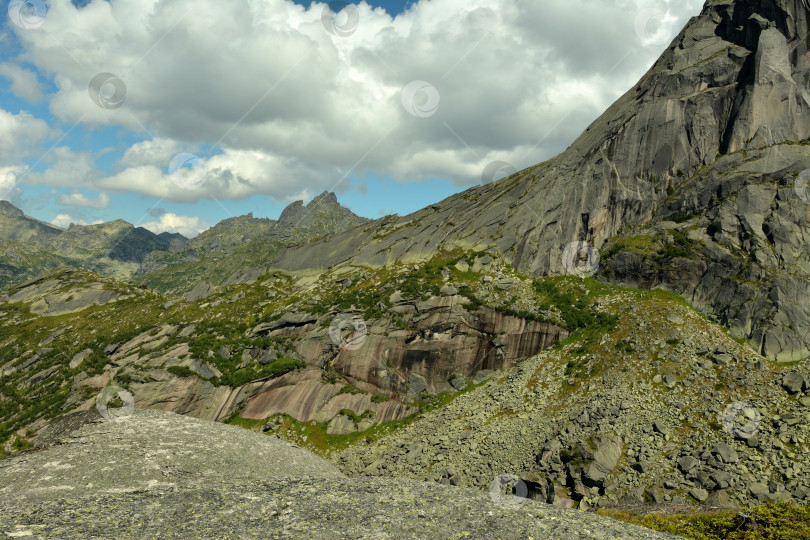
<point x="393" y="105"/>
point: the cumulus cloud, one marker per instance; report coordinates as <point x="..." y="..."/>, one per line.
<point x="24" y="83"/>
<point x="275" y="104"/>
<point x="188" y="226"/>
<point x="21" y="136"/>
<point x="79" y="199"/>
<point x="8" y="181"/>
<point x="64" y="220"/>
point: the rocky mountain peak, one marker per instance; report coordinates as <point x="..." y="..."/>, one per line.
<point x="327" y="197"/>
<point x="297" y="213"/>
<point x="8" y="209"/>
<point x="713" y="136"/>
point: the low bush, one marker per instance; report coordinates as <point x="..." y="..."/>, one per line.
<point x="774" y="521"/>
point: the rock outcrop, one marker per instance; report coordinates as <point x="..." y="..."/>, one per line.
<point x="140" y="475"/>
<point x="65" y="291"/>
<point x="665" y="409"/>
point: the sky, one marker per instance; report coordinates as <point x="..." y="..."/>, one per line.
<point x="176" y="114"/>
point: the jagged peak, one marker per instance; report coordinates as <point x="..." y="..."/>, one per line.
<point x="8" y="209"/>
<point x="327" y="197"/>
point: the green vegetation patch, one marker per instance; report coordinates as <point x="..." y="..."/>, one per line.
<point x="254" y="372"/>
<point x="575" y="300"/>
<point x="775" y="521"/>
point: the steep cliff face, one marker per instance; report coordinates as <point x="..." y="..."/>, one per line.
<point x="735" y="80"/>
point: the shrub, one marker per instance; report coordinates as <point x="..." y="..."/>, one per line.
<point x="773" y="521"/>
<point x="181" y="371"/>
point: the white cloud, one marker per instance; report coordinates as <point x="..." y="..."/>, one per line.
<point x="24" y="83"/>
<point x="8" y="181"/>
<point x="21" y="136"/>
<point x="64" y="221"/>
<point x="188" y="226"/>
<point x="79" y="199"/>
<point x="292" y="109"/>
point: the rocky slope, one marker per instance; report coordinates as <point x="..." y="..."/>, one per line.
<point x="731" y="88"/>
<point x="140" y="475"/>
<point x="663" y="408"/>
<point x="431" y="372"/>
<point x="362" y="351"/>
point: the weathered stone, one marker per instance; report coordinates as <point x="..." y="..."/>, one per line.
<point x="687" y="463"/>
<point x="448" y="290"/>
<point x="201" y="291"/>
<point x="726" y="453"/>
<point x="417" y="383"/>
<point x="794" y="383"/>
<point x="458" y="383"/>
<point x="700" y="494"/>
<point x="608" y="453"/>
<point x="80" y="357"/>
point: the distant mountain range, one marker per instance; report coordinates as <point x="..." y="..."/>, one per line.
<point x="168" y="262"/>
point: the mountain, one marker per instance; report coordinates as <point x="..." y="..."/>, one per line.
<point x="447" y="346"/>
<point x="237" y="244"/>
<point x="29" y="247"/>
<point x="18" y="227"/>
<point x="712" y="137"/>
<point x="168" y="262"/>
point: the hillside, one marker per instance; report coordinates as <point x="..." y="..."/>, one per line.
<point x="29" y="247"/>
<point x="167" y="262"/>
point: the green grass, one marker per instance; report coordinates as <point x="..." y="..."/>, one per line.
<point x="776" y="521"/>
<point x="574" y="300"/>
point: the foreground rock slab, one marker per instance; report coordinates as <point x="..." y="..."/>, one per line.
<point x="309" y="508"/>
<point x="156" y="474"/>
<point x="85" y="453"/>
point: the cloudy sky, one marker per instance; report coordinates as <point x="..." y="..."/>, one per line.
<point x="176" y="114"/>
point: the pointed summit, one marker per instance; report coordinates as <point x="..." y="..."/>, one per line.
<point x="325" y="198"/>
<point x="8" y="209"/>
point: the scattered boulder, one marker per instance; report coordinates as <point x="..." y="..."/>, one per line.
<point x="699" y="493"/>
<point x="417" y="383"/>
<point x="448" y="290"/>
<point x="505" y="283"/>
<point x="794" y="383"/>
<point x="608" y="453"/>
<point x="726" y="453"/>
<point x="200" y="291"/>
<point x="80" y="357"/>
<point x="687" y="463"/>
<point x="458" y="383"/>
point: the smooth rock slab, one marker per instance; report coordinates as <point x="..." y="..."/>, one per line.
<point x="85" y="453"/>
<point x="312" y="508"/>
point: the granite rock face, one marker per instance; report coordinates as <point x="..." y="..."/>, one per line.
<point x="141" y="476"/>
<point x="645" y="416"/>
<point x="733" y="81"/>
